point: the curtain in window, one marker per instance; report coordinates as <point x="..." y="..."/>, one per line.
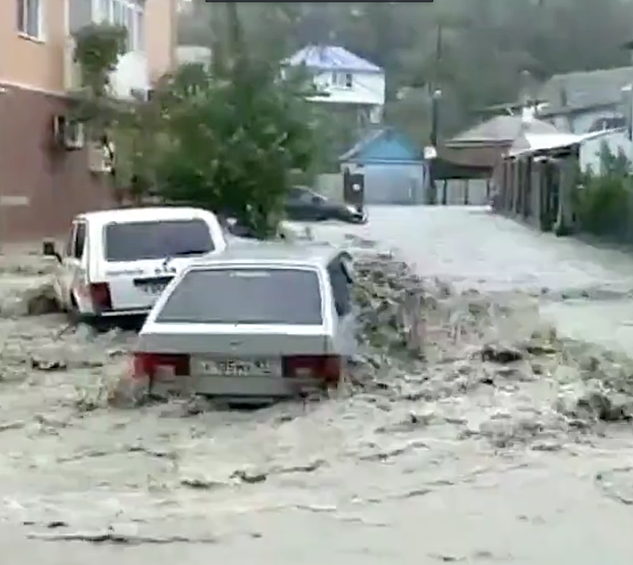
<point x="21" y="14"/>
<point x="33" y="17"/>
<point x="139" y="29"/>
<point x="105" y="11"/>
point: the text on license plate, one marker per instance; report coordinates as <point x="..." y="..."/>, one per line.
<point x="241" y="367"/>
<point x="155" y="288"/>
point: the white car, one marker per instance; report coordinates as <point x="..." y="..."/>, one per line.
<point x="116" y="263"/>
<point x="253" y="324"/>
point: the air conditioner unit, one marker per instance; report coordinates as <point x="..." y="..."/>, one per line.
<point x="141" y="94"/>
<point x="68" y="133"/>
<point x="99" y="160"/>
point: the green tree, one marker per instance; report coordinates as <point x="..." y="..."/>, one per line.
<point x="234" y="141"/>
<point x="226" y="139"/>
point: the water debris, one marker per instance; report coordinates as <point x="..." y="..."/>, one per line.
<point x="110" y="537"/>
<point x="502" y="354"/>
<point x="199" y="483"/>
<point x="48" y="365"/>
<point x="41" y="300"/>
<point x="250" y="476"/>
<point x="444" y="379"/>
<point x="617" y="484"/>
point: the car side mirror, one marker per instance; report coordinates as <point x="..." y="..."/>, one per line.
<point x="49" y="249"/>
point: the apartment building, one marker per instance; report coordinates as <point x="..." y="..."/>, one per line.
<point x="44" y="183"/>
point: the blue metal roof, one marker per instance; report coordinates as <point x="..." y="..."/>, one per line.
<point x="383" y="145"/>
<point x="331" y="58"/>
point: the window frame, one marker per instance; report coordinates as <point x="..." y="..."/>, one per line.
<point x="80" y="238"/>
<point x="69" y="246"/>
<point x="179" y="291"/>
<point x="341" y="284"/>
<point x="23" y="20"/>
<point x="341" y="80"/>
<point x="108" y="256"/>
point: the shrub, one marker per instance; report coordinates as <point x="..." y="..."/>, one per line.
<point x="604" y="204"/>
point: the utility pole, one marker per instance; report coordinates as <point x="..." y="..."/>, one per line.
<point x="436" y="94"/>
<point x="235" y="35"/>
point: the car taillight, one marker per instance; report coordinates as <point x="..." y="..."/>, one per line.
<point x="100" y="296"/>
<point x="157" y="365"/>
<point x="324" y="367"/>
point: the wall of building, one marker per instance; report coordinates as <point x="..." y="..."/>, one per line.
<point x="393" y="183"/>
<point x="367" y="88"/>
<point x="38" y="63"/>
<point x="582" y="122"/>
<point x="330" y="185"/>
<point x="461" y="192"/>
<point x="590" y="149"/>
<point x="42" y="186"/>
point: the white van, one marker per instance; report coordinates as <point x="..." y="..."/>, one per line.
<point x="116" y="263"/>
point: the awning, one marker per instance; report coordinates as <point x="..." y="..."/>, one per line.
<point x="530" y="143"/>
<point x="451" y="164"/>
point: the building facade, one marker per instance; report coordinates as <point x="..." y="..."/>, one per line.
<point x="42" y="186"/>
<point x="343" y="78"/>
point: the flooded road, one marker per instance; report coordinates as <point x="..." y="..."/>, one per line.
<point x="454" y="459"/>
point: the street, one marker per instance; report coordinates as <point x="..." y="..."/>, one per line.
<point x="585" y="291"/>
<point x="486" y="474"/>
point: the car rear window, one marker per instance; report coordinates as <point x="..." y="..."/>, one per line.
<point x="246" y="296"/>
<point x="133" y="241"/>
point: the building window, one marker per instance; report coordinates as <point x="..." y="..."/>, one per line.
<point x="30" y="18"/>
<point x="79" y="14"/>
<point x="342" y="80"/>
<point x="127" y="13"/>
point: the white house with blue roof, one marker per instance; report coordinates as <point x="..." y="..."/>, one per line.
<point x="342" y="77"/>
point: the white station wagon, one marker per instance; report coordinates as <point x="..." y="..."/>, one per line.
<point x="116" y="263"/>
<point x="253" y="324"/>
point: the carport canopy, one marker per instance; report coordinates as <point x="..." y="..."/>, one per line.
<point x="448" y="166"/>
<point x="533" y="143"/>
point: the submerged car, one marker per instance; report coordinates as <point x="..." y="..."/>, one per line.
<point x="304" y="204"/>
<point x="116" y="263"/>
<point x="252" y="325"/>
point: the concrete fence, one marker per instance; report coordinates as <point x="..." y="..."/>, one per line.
<point x="330" y="185"/>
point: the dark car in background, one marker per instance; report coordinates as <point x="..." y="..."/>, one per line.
<point x="304" y="204"/>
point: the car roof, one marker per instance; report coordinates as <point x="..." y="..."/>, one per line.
<point x="142" y="214"/>
<point x="314" y="255"/>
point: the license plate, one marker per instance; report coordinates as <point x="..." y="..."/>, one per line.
<point x="153" y="288"/>
<point x="241" y="367"/>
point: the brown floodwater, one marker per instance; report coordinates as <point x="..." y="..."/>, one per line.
<point x="450" y="462"/>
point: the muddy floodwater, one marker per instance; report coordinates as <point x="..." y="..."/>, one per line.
<point x="452" y="457"/>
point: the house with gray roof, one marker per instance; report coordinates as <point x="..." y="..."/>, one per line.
<point x="500" y="130"/>
<point x="485" y="143"/>
<point x="587" y="101"/>
<point x="341" y="76"/>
